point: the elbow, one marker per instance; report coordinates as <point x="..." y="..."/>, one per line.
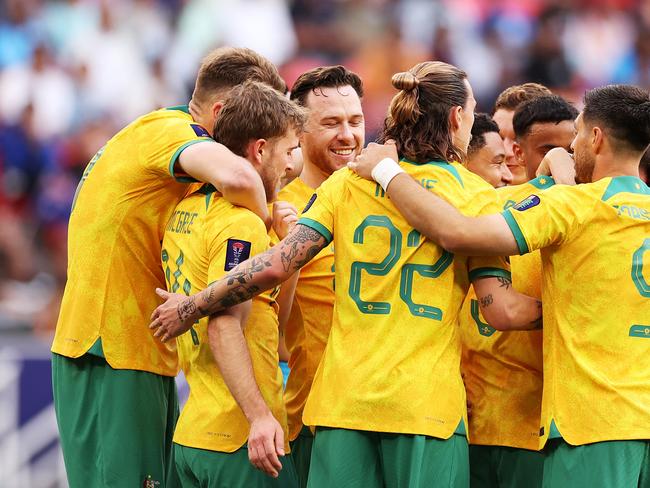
<point x="501" y="318"/>
<point x="276" y="275"/>
<point x="452" y="240"/>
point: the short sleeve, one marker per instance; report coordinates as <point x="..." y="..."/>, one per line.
<point x="546" y="218"/>
<point x="165" y="138"/>
<point x="511" y="194"/>
<point x="318" y="214"/>
<point x="486" y="202"/>
<point x="242" y="237"/>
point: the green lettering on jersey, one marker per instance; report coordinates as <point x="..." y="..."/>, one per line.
<point x="375" y="269"/>
<point x="637" y="269"/>
<point x="640" y="331"/>
<point x="383" y="268"/>
<point x="483" y="328"/>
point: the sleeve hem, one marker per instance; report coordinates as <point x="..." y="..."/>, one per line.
<point x="175" y="156"/>
<point x="516" y="232"/>
<point x="489" y="273"/>
<point x="318" y="227"/>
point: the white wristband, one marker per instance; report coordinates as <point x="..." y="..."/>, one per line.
<point x="385" y="171"/>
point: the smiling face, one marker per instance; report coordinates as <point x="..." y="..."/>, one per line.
<point x="335" y="129"/>
<point x="489" y="161"/>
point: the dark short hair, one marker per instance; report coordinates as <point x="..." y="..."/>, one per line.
<point x="623" y="110"/>
<point x="255" y="111"/>
<point x="324" y="77"/>
<point x="541" y="110"/>
<point x="483" y="124"/>
<point x="513" y="96"/>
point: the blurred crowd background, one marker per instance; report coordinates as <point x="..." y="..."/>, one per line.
<point x="73" y="72"/>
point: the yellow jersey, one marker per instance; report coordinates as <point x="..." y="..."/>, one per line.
<point x="205" y="238"/>
<point x="311" y="317"/>
<point x="124" y="199"/>
<point x="503" y="370"/>
<point x="595" y="247"/>
<point x="392" y="360"/>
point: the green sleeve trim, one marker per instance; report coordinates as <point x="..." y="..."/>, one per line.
<point x="177" y="153"/>
<point x="489" y="273"/>
<point x="318" y="227"/>
<point x="516" y="231"/>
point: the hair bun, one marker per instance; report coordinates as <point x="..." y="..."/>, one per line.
<point x="405" y="81"/>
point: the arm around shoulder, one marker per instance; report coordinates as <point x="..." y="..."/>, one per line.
<point x="441" y="222"/>
<point x="232" y="175"/>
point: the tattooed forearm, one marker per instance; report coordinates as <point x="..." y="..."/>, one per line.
<point x="507" y="282"/>
<point x="300" y="247"/>
<point x="239" y="295"/>
<point x="288" y="255"/>
<point x="186" y="308"/>
<point x="311" y="253"/>
<point x="302" y="235"/>
<point x="486" y="301"/>
<point x="255" y="275"/>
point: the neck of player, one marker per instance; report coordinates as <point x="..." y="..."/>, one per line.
<point x="312" y="175"/>
<point x="617" y="166"/>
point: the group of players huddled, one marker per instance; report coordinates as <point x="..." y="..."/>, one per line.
<point x="465" y="302"/>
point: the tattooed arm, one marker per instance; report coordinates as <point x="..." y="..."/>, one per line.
<point x="248" y="279"/>
<point x="504" y="308"/>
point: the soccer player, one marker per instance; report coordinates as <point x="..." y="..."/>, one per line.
<point x="504" y="110"/>
<point x="486" y="152"/>
<point x="503" y="370"/>
<point x="205" y="237"/>
<point x="388" y="400"/>
<point x="333" y="136"/>
<point x="541" y="124"/>
<point x="114" y="390"/>
<point x="595" y="245"/>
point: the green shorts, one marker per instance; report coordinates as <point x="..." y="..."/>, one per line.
<point x="610" y="464"/>
<point x="358" y="459"/>
<point x="505" y="467"/>
<point x="116" y="425"/>
<point x="301" y="454"/>
<point x="213" y="469"/>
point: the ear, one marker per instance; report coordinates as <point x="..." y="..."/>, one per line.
<point x="597" y="139"/>
<point x="455" y="117"/>
<point x="255" y="150"/>
<point x="216" y="108"/>
<point x="518" y="152"/>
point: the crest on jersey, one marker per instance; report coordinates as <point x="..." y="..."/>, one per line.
<point x="528" y="202"/>
<point x="237" y="251"/>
